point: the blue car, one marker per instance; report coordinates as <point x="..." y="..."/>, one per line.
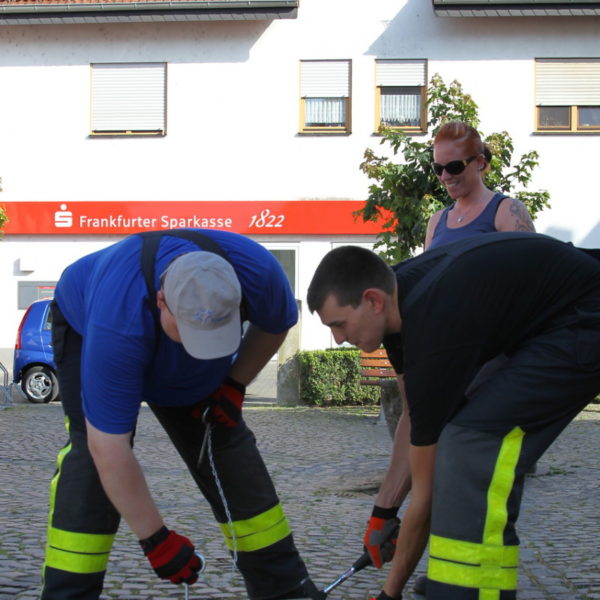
<point x="33" y="362"/>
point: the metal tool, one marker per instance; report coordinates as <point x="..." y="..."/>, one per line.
<point x="311" y="589"/>
<point x="358" y="565"/>
<point x="389" y="532"/>
<point x="207" y="429"/>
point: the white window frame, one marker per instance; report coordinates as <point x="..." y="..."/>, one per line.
<point x="325" y="81"/>
<point x="128" y="98"/>
<point x="408" y="74"/>
<point x="569" y="85"/>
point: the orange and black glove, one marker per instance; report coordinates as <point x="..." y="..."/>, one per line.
<point x="226" y="403"/>
<point x="381" y="535"/>
<point x="172" y="556"/>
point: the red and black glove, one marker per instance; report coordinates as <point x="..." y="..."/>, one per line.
<point x="172" y="556"/>
<point x="381" y="535"/>
<point x="226" y="403"/>
<point x="384" y="596"/>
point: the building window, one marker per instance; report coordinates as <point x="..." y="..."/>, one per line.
<point x="30" y="291"/>
<point x="128" y="98"/>
<point x="325" y="96"/>
<point x="567" y="94"/>
<point x="400" y="94"/>
<point x="287" y="260"/>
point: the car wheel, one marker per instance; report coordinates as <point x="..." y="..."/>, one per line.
<point x="39" y="385"/>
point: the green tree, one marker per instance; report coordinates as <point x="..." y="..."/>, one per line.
<point x="411" y="192"/>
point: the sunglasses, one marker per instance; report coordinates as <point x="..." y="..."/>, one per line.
<point x="454" y="167"/>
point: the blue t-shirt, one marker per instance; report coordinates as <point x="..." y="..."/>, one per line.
<point x="103" y="296"/>
<point x="484" y="223"/>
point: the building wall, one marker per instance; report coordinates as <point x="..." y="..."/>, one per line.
<point x="233" y="113"/>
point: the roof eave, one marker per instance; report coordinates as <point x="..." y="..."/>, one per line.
<point x="445" y="8"/>
<point x="112" y="12"/>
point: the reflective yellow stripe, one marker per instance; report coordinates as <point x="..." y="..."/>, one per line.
<point x="54" y="483"/>
<point x="492" y="577"/>
<point x="59" y="460"/>
<point x="258" y="532"/>
<point x="490" y="566"/>
<point x="70" y="551"/>
<point x="85" y="543"/>
<point x="501" y="486"/>
<point x="75" y="562"/>
<point x="472" y="553"/>
<point x="61" y="455"/>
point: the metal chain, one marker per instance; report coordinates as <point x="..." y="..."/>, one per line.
<point x="207" y="445"/>
<point x="213" y="469"/>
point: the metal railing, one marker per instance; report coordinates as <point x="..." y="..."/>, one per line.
<point x="5" y="389"/>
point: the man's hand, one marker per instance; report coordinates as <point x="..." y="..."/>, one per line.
<point x="172" y="556"/>
<point x="381" y="535"/>
<point x="226" y="403"/>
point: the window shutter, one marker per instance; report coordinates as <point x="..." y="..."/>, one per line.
<point x="128" y="97"/>
<point x="325" y="79"/>
<point x="568" y="82"/>
<point x="401" y="73"/>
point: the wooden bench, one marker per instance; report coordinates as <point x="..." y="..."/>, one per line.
<point x="375" y="367"/>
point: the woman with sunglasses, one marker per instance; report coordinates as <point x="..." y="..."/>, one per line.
<point x="461" y="159"/>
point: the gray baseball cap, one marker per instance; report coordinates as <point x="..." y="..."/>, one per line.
<point x="204" y="295"/>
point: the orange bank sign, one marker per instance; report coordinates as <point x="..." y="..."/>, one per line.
<point x="329" y="217"/>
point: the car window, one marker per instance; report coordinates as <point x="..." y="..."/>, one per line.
<point x="48" y="320"/>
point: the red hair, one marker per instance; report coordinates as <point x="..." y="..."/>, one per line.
<point x="461" y="133"/>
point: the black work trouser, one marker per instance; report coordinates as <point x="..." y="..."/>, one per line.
<point x="83" y="522"/>
<point x="509" y="420"/>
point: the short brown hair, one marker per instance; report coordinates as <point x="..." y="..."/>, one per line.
<point x="347" y="272"/>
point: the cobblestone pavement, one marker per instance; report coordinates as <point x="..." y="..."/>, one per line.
<point x="326" y="465"/>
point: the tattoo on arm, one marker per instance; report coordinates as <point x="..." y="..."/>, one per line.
<point x="522" y="219"/>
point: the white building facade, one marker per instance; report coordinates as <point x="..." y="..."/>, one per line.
<point x="223" y="128"/>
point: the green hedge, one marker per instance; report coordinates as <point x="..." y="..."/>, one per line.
<point x="332" y="378"/>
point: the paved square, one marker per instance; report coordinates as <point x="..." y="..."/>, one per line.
<point x="326" y="465"/>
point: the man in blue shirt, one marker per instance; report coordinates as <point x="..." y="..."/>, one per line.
<point x="157" y="318"/>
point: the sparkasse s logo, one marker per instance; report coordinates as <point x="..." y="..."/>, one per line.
<point x="63" y="217"/>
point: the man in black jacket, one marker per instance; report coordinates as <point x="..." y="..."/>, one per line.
<point x="442" y="316"/>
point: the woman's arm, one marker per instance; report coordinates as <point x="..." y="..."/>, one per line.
<point x="512" y="215"/>
<point x="431" y="225"/>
